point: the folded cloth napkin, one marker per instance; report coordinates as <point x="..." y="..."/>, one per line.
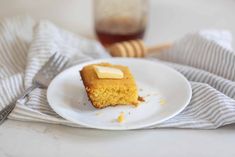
<point x="205" y="58"/>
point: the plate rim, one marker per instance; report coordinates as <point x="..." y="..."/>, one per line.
<point x="122" y="128"/>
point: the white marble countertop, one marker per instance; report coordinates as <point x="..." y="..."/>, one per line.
<point x="169" y="20"/>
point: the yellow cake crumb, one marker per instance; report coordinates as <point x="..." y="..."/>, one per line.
<point x="121" y="117"/>
<point x="98" y="113"/>
<point x="137" y="105"/>
<point x="162" y="101"/>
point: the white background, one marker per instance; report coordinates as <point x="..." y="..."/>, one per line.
<point x="169" y="20"/>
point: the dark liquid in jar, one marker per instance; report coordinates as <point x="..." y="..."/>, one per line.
<point x="110" y="31"/>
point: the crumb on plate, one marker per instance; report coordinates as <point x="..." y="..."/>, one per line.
<point x="121" y="117"/>
<point x="140" y="99"/>
<point x="98" y="113"/>
<point x="162" y="101"/>
<point x="147" y="95"/>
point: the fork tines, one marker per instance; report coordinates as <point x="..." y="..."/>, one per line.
<point x="59" y="62"/>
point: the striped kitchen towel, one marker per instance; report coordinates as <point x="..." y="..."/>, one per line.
<point x="205" y="58"/>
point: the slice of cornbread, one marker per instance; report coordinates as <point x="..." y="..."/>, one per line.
<point x="104" y="92"/>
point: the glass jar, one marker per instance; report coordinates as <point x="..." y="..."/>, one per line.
<point x="120" y="20"/>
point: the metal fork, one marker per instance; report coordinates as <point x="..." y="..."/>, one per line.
<point x="42" y="79"/>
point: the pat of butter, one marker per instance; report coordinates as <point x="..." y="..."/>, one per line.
<point x="108" y="72"/>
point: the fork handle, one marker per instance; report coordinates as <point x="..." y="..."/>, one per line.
<point x="7" y="110"/>
<point x="28" y="90"/>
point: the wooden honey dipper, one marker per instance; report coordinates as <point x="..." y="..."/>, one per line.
<point x="134" y="48"/>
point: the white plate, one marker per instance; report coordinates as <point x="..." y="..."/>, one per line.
<point x="156" y="83"/>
